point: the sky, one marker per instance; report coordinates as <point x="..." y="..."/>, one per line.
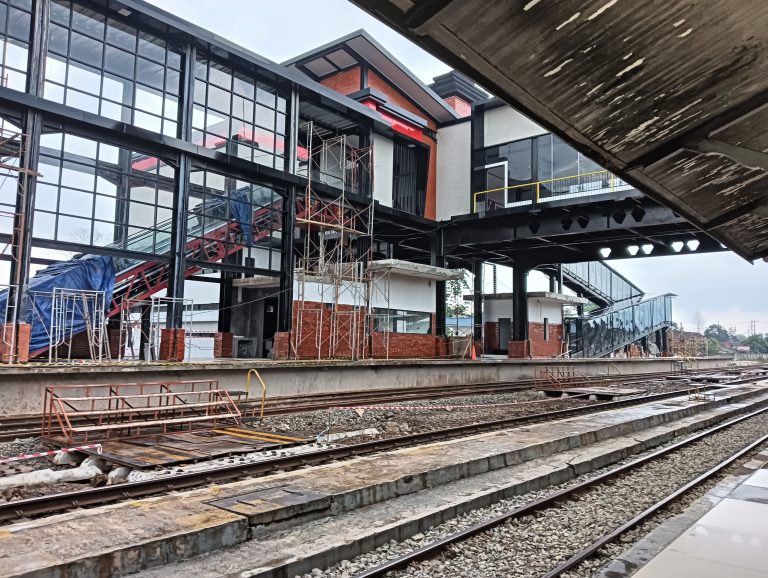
<point x="723" y="287"/>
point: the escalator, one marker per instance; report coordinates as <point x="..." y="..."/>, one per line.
<point x="607" y="330"/>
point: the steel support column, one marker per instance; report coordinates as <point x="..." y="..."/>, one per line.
<point x="437" y="259"/>
<point x="520" y="302"/>
<point x="224" y="324"/>
<point x="146" y="329"/>
<point x="478" y="302"/>
<point x="32" y="126"/>
<point x="285" y="299"/>
<point x="174" y="317"/>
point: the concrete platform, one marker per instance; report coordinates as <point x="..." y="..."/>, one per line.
<point x="287" y="506"/>
<point x="22" y="387"/>
<point x="725" y="533"/>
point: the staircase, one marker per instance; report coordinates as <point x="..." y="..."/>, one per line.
<point x="598" y="282"/>
<point x="614" y="327"/>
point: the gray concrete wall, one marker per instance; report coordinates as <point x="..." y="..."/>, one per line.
<point x="22" y="388"/>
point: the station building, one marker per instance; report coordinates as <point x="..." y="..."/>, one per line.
<point x="313" y="209"/>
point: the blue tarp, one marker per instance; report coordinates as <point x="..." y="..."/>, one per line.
<point x="87" y="273"/>
<point x="242" y="212"/>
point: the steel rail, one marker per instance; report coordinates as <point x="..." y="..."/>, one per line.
<point x="435" y="548"/>
<point x="101" y="495"/>
<point x="12" y="427"/>
<point x="590" y="550"/>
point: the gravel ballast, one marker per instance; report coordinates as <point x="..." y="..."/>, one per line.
<point x="534" y="544"/>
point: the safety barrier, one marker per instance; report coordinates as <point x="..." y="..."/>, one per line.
<point x="537" y="192"/>
<point x="116" y="411"/>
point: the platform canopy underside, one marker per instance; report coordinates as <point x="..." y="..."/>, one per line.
<point x="671" y="95"/>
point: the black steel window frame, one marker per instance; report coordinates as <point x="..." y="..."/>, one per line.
<point x="99" y="63"/>
<point x="410" y="175"/>
<point x="242" y="113"/>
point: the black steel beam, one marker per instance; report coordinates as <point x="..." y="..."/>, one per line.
<point x="437" y="259"/>
<point x="285" y="298"/>
<point x="709" y="127"/>
<point x="477" y="302"/>
<point x="21" y="246"/>
<point x="175" y="313"/>
<point x="520" y="302"/>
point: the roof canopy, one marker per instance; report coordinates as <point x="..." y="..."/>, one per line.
<point x="672" y="96"/>
<point x="359" y="47"/>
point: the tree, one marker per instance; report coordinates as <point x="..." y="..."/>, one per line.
<point x="757" y="343"/>
<point x="698" y="321"/>
<point x="717" y="332"/>
<point x="713" y="346"/>
<point x="454" y="290"/>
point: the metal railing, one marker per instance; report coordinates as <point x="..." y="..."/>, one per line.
<point x="538" y="192"/>
<point x="602" y="280"/>
<point x="607" y="330"/>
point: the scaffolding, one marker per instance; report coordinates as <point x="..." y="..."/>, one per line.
<point x="68" y="306"/>
<point x="334" y="316"/>
<point x="13" y="190"/>
<point x="147" y="332"/>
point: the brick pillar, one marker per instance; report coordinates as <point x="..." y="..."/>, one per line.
<point x="21" y="355"/>
<point x="519" y="349"/>
<point x="172" y="344"/>
<point x="222" y="344"/>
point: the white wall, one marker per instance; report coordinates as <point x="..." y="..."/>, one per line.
<point x="538" y="309"/>
<point x="454" y="151"/>
<point x="349" y="293"/>
<point x="409" y="293"/>
<point x="383" y="165"/>
<point x="495" y="309"/>
<point x="405" y="292"/>
<point x="505" y="124"/>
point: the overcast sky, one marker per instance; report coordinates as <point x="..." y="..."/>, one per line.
<point x="722" y="286"/>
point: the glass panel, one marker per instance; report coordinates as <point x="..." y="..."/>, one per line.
<point x="19" y="24"/>
<point x="58" y="39"/>
<point x="85" y="49"/>
<point x="152" y="47"/>
<point x="150" y="73"/>
<point x="121" y="35"/>
<point x="120" y="62"/>
<point x="88" y="22"/>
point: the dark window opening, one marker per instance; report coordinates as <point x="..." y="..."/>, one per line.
<point x="409" y="176"/>
<point x="546" y="329"/>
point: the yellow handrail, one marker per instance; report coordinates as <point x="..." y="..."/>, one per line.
<point x="263" y="389"/>
<point x="538" y="184"/>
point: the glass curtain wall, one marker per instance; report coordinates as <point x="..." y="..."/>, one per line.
<point x="228" y="215"/>
<point x="238" y="114"/>
<point x="105" y="66"/>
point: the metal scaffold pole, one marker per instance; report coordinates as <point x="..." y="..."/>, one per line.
<point x="333" y="276"/>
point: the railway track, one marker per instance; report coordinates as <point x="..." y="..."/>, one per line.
<point x="29" y="425"/>
<point x="558" y="511"/>
<point x="49" y="504"/>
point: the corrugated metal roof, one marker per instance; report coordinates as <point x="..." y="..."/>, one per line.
<point x="671" y="95"/>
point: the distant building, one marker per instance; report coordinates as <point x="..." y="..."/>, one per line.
<point x="686" y="343"/>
